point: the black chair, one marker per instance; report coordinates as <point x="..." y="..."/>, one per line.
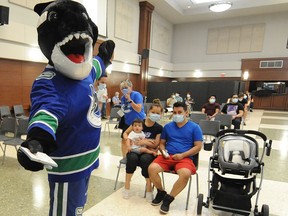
<point x="209" y="130"/>
<point x="209" y="127"/>
<point x="114" y="118"/>
<point x="123" y="161"/>
<point x="19" y="112"/>
<point x="5" y="112"/>
<point x="19" y="131"/>
<point x="225" y="120"/>
<point x="8" y="128"/>
<point x="196" y="117"/>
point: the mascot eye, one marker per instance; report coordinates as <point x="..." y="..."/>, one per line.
<point x="52" y="16"/>
<point x="85" y="16"/>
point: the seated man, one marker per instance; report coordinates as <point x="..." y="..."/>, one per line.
<point x="211" y="108"/>
<point x="180" y="140"/>
<point x="235" y="109"/>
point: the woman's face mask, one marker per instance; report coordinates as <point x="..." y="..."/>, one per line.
<point x="154" y="117"/>
<point x="125" y="91"/>
<point x="178" y="118"/>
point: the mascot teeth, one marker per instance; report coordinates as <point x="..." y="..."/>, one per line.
<point x="77" y="36"/>
<point x="73" y="55"/>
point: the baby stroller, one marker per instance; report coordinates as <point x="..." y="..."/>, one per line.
<point x="234" y="166"/>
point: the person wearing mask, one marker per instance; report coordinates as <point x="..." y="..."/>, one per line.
<point x="243" y="99"/>
<point x="116" y="100"/>
<point x="235" y="109"/>
<point x="152" y="131"/>
<point x="102" y="95"/>
<point x="211" y="108"/>
<point x="189" y="102"/>
<point x="170" y="101"/>
<point x="181" y="139"/>
<point x="178" y="97"/>
<point x="132" y="107"/>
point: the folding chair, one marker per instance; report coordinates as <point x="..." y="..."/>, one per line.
<point x="209" y="128"/>
<point x="21" y="130"/>
<point x="196" y="117"/>
<point x="114" y="117"/>
<point x="5" y="112"/>
<point x="225" y="120"/>
<point x="200" y="196"/>
<point x="123" y="161"/>
<point x="19" y="112"/>
<point x="8" y="126"/>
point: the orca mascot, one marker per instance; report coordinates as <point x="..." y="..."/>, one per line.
<point x="65" y="121"/>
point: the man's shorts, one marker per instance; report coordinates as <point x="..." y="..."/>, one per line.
<point x="171" y="164"/>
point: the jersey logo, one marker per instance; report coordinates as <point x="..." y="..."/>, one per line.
<point x="46" y="75"/>
<point x="79" y="211"/>
<point x="94" y="114"/>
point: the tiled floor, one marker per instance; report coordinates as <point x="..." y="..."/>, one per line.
<point x="26" y="194"/>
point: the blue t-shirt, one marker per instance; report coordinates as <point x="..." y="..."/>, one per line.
<point x="179" y="140"/>
<point x="130" y="113"/>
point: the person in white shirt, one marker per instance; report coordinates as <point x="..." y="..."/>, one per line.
<point x="116" y="100"/>
<point x="102" y="95"/>
<point x="135" y="136"/>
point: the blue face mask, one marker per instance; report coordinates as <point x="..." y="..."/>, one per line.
<point x="102" y="86"/>
<point x="125" y="91"/>
<point x="178" y="118"/>
<point x="212" y="100"/>
<point x="154" y="117"/>
<point x="234" y="100"/>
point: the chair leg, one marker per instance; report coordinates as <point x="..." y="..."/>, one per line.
<point x="188" y="195"/>
<point x="116" y="181"/>
<point x="197" y="184"/>
<point x="1" y="147"/>
<point x="163" y="180"/>
<point x="4" y="154"/>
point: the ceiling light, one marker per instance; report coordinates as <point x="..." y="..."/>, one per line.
<point x="220" y="6"/>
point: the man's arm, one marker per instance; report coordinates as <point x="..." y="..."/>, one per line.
<point x="193" y="151"/>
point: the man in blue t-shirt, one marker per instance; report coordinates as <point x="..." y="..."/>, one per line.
<point x="180" y="141"/>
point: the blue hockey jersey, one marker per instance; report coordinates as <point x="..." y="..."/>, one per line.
<point x="68" y="110"/>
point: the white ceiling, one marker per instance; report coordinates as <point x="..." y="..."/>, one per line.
<point x="177" y="11"/>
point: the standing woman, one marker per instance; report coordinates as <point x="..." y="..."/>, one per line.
<point x="132" y="106"/>
<point x="152" y="132"/>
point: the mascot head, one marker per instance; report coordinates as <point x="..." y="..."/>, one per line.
<point x="66" y="36"/>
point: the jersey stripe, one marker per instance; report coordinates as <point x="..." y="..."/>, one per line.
<point x="75" y="163"/>
<point x="97" y="67"/>
<point x="46" y="118"/>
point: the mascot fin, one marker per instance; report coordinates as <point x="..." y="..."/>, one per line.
<point x="41" y="6"/>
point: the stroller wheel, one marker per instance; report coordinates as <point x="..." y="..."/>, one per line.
<point x="265" y="210"/>
<point x="200" y="204"/>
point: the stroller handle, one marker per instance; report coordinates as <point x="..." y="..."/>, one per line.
<point x="238" y="131"/>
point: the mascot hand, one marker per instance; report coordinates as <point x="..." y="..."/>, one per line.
<point x="38" y="140"/>
<point x="106" y="50"/>
<point x="34" y="146"/>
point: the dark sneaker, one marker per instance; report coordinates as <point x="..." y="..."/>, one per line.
<point x="166" y="203"/>
<point x="159" y="197"/>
